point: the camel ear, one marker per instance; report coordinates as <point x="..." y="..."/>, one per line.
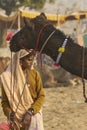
<point x="43" y="16"/>
<point x="28" y="23"/>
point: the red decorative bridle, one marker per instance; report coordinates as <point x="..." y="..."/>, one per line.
<point x="38" y="38"/>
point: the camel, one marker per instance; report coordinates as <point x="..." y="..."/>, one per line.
<point x="39" y="34"/>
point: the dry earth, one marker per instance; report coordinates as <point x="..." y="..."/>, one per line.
<point x="64" y="109"/>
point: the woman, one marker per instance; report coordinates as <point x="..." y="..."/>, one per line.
<point x="22" y="92"/>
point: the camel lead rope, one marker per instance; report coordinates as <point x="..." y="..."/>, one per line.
<point x="84" y="95"/>
<point x="83" y="81"/>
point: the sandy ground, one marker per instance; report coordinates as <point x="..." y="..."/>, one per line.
<point x="64" y="109"/>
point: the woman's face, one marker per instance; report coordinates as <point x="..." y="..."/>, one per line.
<point x="27" y="61"/>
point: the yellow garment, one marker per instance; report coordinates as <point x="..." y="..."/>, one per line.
<point x="36" y="90"/>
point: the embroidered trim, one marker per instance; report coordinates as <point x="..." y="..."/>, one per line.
<point x="61" y="50"/>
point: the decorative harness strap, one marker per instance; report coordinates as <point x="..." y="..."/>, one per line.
<point x="47" y="41"/>
<point x="61" y="50"/>
<point x="38" y="38"/>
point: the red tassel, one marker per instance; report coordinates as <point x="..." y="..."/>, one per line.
<point x="56" y="64"/>
<point x="9" y="36"/>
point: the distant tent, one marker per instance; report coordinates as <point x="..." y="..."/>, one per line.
<point x="15" y="21"/>
<point x="6" y="21"/>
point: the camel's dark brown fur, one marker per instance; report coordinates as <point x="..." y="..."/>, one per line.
<point x="72" y="58"/>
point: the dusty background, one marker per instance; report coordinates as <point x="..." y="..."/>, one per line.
<point x="64" y="109"/>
